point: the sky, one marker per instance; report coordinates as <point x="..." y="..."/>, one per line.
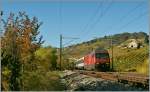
<point x="82" y="19"/>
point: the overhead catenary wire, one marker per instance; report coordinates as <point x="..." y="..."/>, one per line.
<point x="125" y="16"/>
<point x="73" y="38"/>
<point x="99" y="18"/>
<point x="122" y="18"/>
<point x="62" y="37"/>
<point x="131" y="11"/>
<point x="135" y="19"/>
<point x="88" y="23"/>
<point x="138" y="17"/>
<point x="100" y="4"/>
<point x="68" y="43"/>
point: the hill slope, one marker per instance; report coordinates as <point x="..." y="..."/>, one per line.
<point x="125" y="59"/>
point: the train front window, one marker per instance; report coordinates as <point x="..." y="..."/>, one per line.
<point x="102" y="55"/>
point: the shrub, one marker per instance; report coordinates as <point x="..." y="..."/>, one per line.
<point x="48" y="81"/>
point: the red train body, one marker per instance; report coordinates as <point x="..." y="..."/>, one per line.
<point x="97" y="60"/>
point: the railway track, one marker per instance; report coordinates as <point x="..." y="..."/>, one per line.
<point x="131" y="78"/>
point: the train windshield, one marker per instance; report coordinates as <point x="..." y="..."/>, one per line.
<point x="102" y="55"/>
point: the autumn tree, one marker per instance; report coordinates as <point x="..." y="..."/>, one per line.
<point x="19" y="42"/>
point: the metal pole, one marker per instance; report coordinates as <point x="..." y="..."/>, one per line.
<point x="1" y="13"/>
<point x="112" y="52"/>
<point x="60" y="50"/>
<point x="61" y="47"/>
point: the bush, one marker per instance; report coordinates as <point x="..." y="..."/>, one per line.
<point x="48" y="81"/>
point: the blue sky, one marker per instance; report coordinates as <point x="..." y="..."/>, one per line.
<point x="84" y="20"/>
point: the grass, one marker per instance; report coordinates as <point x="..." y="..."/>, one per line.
<point x="143" y="68"/>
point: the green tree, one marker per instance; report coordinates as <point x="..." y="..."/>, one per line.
<point x="53" y="59"/>
<point x="146" y="39"/>
<point x="43" y="58"/>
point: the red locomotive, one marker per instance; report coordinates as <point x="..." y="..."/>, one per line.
<point x="97" y="60"/>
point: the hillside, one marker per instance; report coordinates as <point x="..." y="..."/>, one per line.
<point x="125" y="59"/>
<point x="129" y="59"/>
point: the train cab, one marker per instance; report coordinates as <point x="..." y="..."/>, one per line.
<point x="97" y="60"/>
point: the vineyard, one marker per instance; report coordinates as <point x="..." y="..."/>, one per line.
<point x="130" y="59"/>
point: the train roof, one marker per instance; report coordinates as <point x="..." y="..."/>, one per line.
<point x="79" y="60"/>
<point x="101" y="50"/>
<point x="98" y="50"/>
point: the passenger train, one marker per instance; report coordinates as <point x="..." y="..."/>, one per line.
<point x="97" y="60"/>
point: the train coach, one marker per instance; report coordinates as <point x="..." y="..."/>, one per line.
<point x="80" y="63"/>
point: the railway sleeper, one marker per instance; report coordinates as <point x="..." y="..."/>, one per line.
<point x="93" y="72"/>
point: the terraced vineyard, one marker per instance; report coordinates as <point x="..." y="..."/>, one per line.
<point x="130" y="59"/>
